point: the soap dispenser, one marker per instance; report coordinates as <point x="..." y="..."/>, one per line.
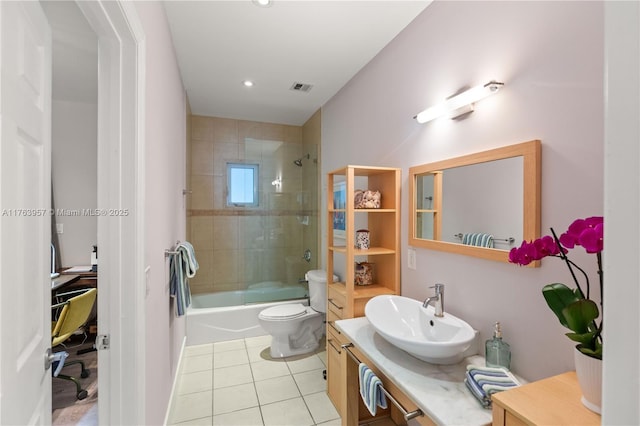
<point x="497" y="351"/>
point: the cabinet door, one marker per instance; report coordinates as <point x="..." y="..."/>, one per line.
<point x="335" y="388"/>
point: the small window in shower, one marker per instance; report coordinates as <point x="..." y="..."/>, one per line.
<point x="242" y="185"/>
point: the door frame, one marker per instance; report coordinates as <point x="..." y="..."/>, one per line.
<point x="121" y="212"/>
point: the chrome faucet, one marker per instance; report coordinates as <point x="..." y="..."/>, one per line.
<point x="438" y="300"/>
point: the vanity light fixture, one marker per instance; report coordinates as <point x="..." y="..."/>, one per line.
<point x="247" y="83"/>
<point x="262" y="3"/>
<point x="459" y="104"/>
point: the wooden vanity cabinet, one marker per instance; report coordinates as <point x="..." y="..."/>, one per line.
<point x="356" y="412"/>
<point x="345" y="299"/>
<point x="551" y="401"/>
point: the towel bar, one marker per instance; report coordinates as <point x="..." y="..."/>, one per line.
<point x="174" y="252"/>
<point x="168" y="253"/>
<point x="509" y="240"/>
<point x="408" y="415"/>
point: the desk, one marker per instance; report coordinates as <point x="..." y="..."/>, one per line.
<point x="87" y="279"/>
<point x="62" y="281"/>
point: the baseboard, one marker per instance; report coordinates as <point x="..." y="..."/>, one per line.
<point x="176" y="378"/>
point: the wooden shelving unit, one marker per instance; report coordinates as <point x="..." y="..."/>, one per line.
<point x="345" y="298"/>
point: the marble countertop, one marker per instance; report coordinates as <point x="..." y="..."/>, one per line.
<point x="438" y="390"/>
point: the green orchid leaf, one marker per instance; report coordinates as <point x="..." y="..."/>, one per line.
<point x="593" y="353"/>
<point x="580" y="314"/>
<point x="558" y="297"/>
<point x="585" y="339"/>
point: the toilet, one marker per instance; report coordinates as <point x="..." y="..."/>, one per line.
<point x="296" y="329"/>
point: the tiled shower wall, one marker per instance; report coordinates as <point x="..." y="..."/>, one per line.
<point x="240" y="246"/>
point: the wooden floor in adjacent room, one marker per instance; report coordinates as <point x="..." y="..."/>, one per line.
<point x="67" y="410"/>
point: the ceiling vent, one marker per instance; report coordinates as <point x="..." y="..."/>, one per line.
<point x="301" y="87"/>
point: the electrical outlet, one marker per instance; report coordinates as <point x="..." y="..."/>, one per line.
<point x="59" y="228"/>
<point x="411" y="258"/>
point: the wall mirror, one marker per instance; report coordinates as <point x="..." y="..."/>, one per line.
<point x="480" y="205"/>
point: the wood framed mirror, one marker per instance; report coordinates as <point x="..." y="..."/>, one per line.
<point x="480" y="205"/>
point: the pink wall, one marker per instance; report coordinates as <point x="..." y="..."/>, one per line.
<point x="550" y="57"/>
<point x="165" y="178"/>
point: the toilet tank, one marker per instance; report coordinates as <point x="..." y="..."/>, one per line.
<point x="317" y="280"/>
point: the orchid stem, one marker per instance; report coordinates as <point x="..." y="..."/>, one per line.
<point x="569" y="263"/>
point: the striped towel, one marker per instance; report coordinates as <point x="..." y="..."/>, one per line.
<point x="485" y="381"/>
<point x="478" y="240"/>
<point x="371" y="389"/>
<point x="182" y="267"/>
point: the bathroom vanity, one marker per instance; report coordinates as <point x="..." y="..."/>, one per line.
<point x="438" y="391"/>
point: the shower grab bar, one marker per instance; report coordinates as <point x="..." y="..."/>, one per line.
<point x="509" y="240"/>
<point x="408" y="415"/>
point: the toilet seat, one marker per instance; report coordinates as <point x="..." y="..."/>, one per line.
<point x="284" y="312"/>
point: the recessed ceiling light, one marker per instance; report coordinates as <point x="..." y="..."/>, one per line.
<point x="262" y="3"/>
<point x="248" y="83"/>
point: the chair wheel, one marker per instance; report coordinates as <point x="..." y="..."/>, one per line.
<point x="85" y="374"/>
<point x="82" y="394"/>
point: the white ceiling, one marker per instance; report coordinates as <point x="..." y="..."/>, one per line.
<point x="221" y="43"/>
<point x="323" y="43"/>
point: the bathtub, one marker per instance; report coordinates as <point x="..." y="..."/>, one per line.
<point x="231" y="315"/>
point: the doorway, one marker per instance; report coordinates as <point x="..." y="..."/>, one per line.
<point x="74" y="158"/>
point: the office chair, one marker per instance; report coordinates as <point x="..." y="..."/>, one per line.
<point x="73" y="313"/>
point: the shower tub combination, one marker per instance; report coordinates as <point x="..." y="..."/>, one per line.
<point x="231" y="315"/>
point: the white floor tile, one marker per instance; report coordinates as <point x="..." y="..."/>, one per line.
<point x="237" y="383"/>
<point x="192" y="406"/>
<point x="248" y="417"/>
<point x="231" y="376"/>
<point x="311" y="362"/>
<point x="230" y="358"/>
<point x="334" y="422"/>
<point x="195" y="363"/>
<point x="276" y="389"/>
<point x="268" y="370"/>
<point x="261" y="353"/>
<point x="323" y="357"/>
<point x="195" y="350"/>
<point x="233" y="398"/>
<point x="292" y="412"/>
<point x="195" y="382"/>
<point x="229" y="345"/>
<point x="205" y="421"/>
<point x="310" y="382"/>
<point x="258" y="341"/>
<point x="321" y="407"/>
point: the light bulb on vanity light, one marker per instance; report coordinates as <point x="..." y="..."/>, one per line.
<point x="462" y="100"/>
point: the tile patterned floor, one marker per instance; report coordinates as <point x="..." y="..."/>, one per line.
<point x="237" y="383"/>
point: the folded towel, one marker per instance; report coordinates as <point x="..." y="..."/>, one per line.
<point x="477" y="392"/>
<point x="182" y="266"/>
<point x="478" y="240"/>
<point x="371" y="389"/>
<point x="485" y="381"/>
<point x="189" y="257"/>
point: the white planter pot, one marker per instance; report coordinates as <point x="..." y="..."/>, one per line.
<point x="589" y="372"/>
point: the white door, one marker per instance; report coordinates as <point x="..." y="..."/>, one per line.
<point x="25" y="198"/>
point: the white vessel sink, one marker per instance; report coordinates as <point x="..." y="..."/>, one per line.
<point x="404" y="323"/>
